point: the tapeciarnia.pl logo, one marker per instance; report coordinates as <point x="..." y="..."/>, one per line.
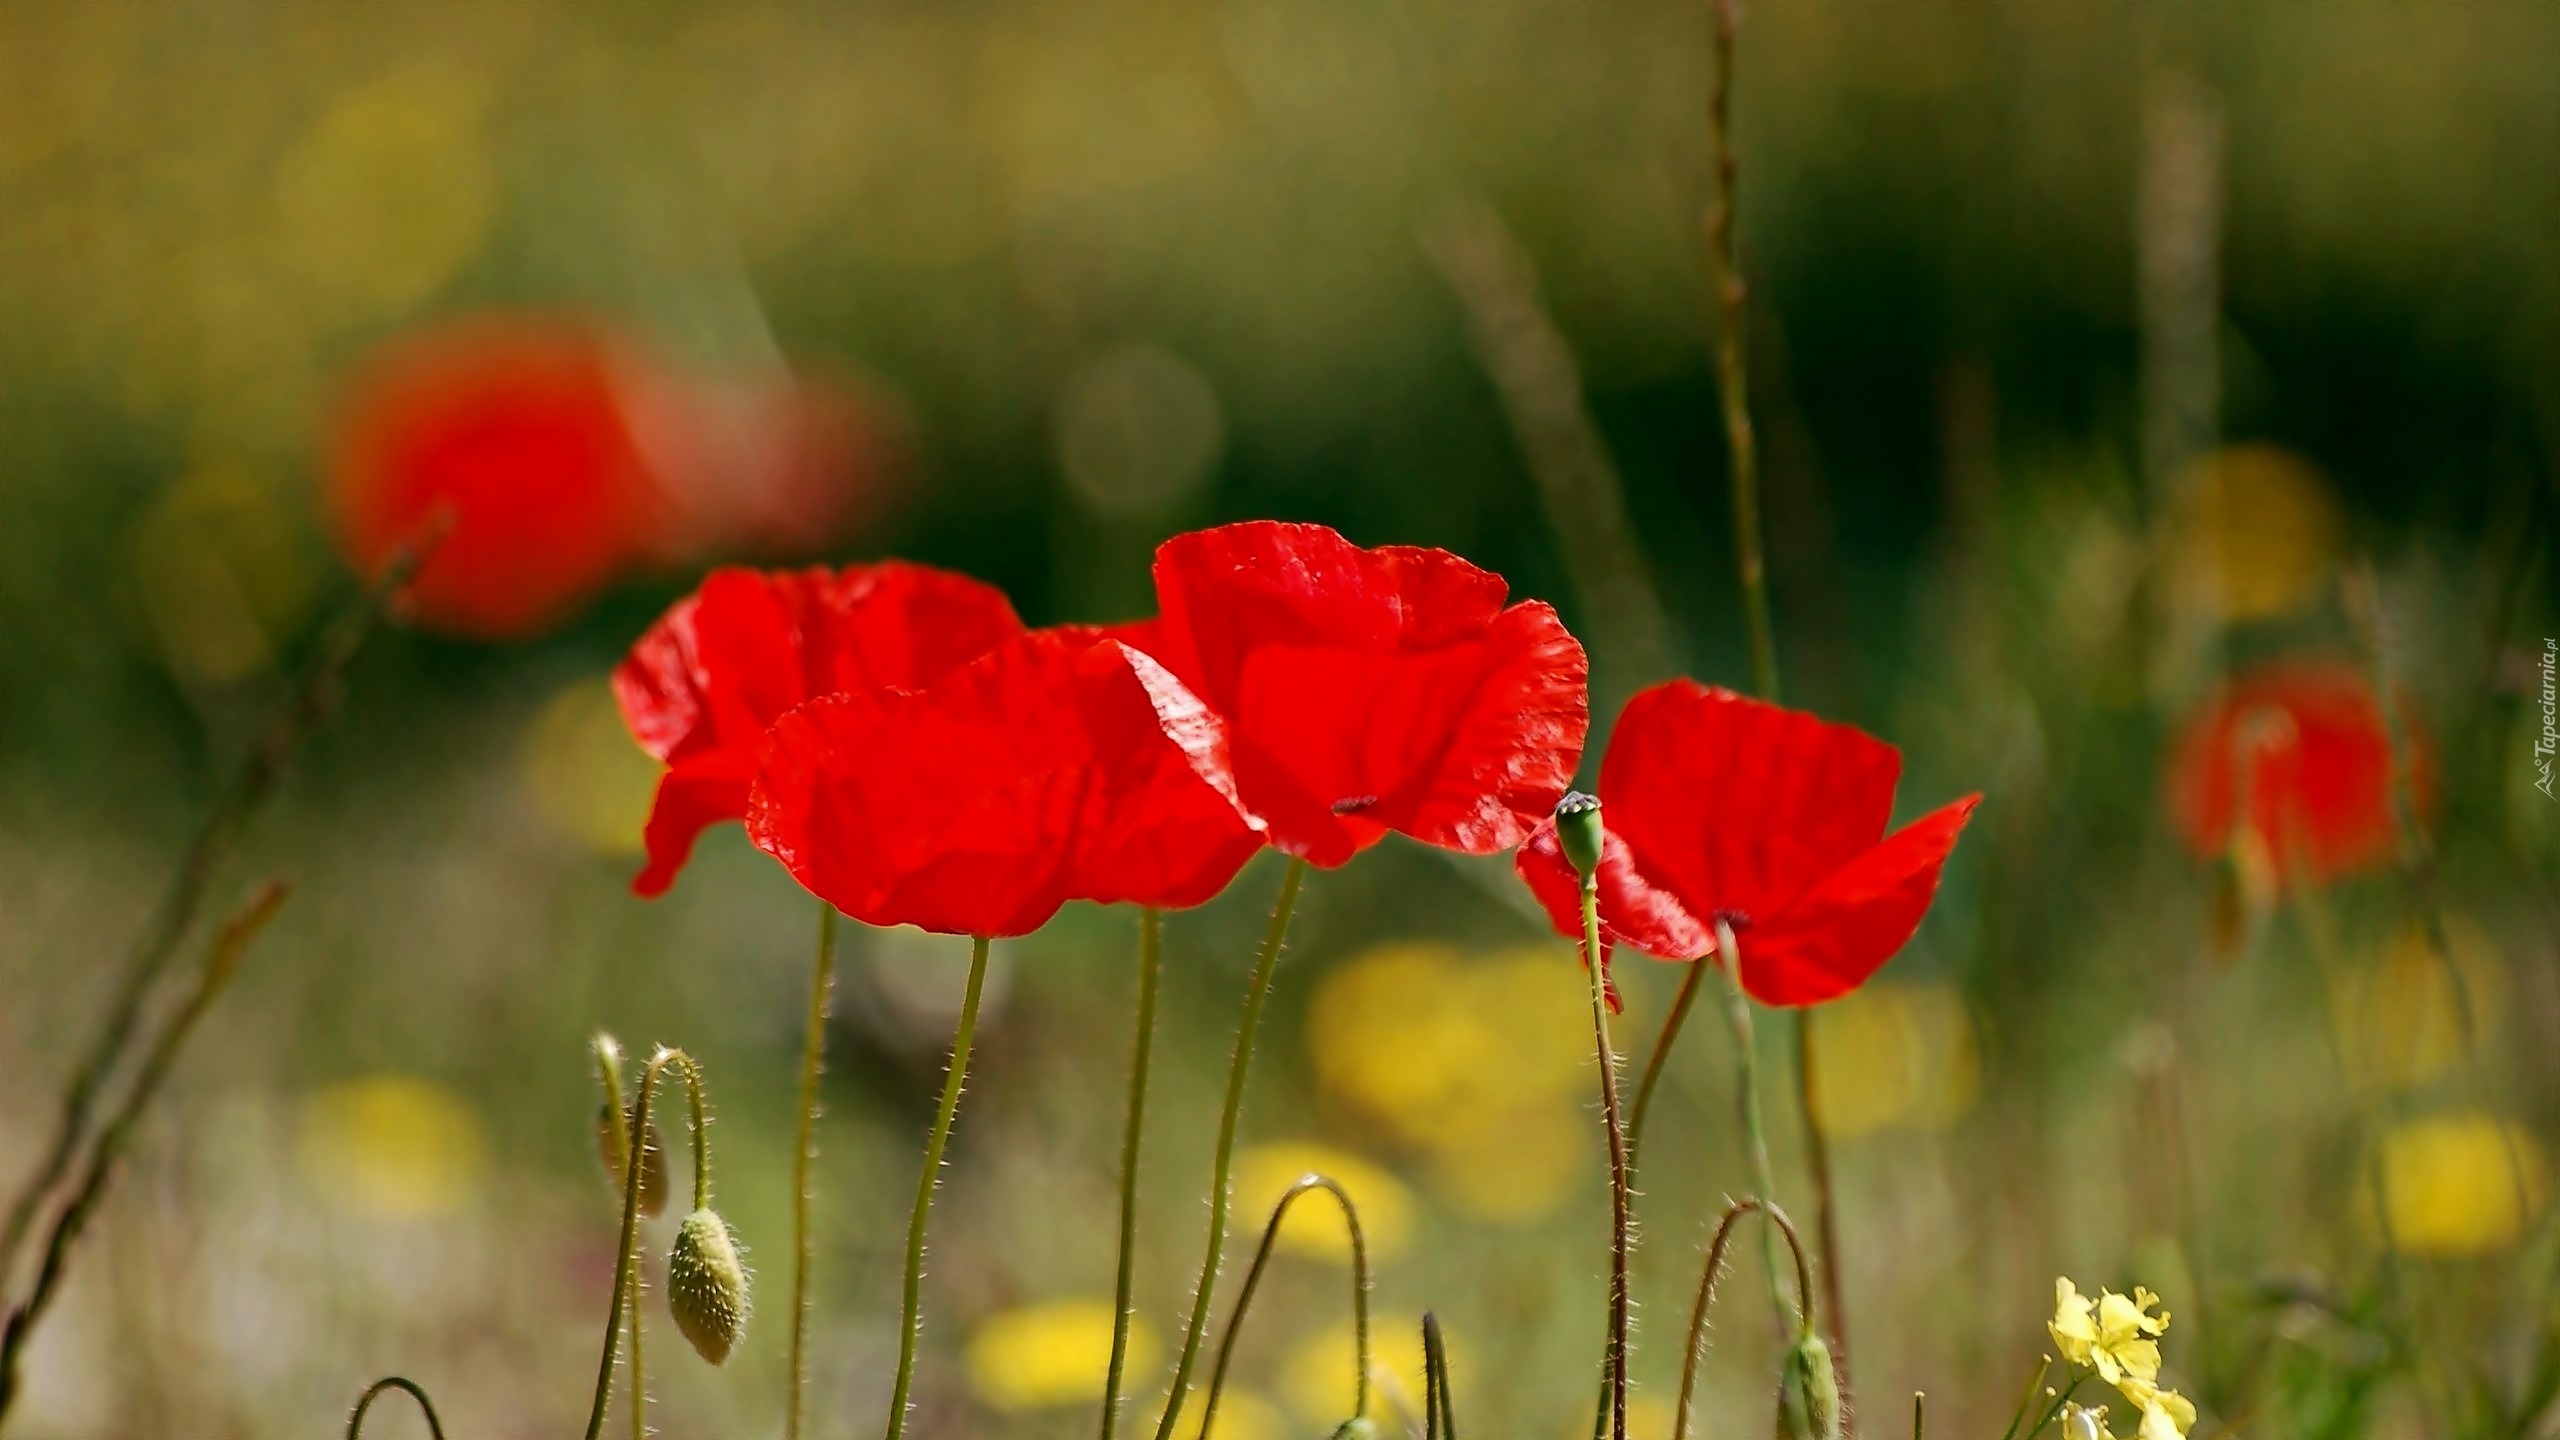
<point x="2549" y="740"/>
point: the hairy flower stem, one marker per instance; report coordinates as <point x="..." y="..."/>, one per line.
<point x="804" y="1154"/>
<point x="1747" y="1068"/>
<point x="1621" y="1182"/>
<point x="1778" y="1225"/>
<point x="222" y="961"/>
<point x="911" y="1306"/>
<point x="1150" y="946"/>
<point x="406" y="1386"/>
<point x="1253" y="1282"/>
<point x="626" y="1268"/>
<point x="1257" y="989"/>
<point x="609" y="1071"/>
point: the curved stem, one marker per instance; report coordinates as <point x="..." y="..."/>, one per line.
<point x="1253" y="1282"/>
<point x="1150" y="944"/>
<point x="406" y="1386"/>
<point x="1653" y="1065"/>
<point x="804" y="1153"/>
<point x="1621" y="1196"/>
<point x="609" y="1073"/>
<point x="1778" y="1224"/>
<point x="626" y="1267"/>
<point x="911" y="1312"/>
<point x="1435" y="1381"/>
<point x="1747" y="1065"/>
<point x="1257" y="989"/>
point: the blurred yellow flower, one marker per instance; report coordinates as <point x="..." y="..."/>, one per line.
<point x="2166" y="1414"/>
<point x="2400" y="1016"/>
<point x="1242" y="1415"/>
<point x="1892" y="1055"/>
<point x="1650" y="1416"/>
<point x="586" y="778"/>
<point x="1468" y="1060"/>
<point x="1321" y="1370"/>
<point x="1315" y="1226"/>
<point x="392" y="1147"/>
<point x="2465" y="1183"/>
<point x="387" y="195"/>
<point x="1051" y="1354"/>
<point x="222" y="569"/>
<point x="2253" y="532"/>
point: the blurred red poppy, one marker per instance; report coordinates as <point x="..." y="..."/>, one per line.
<point x="1371" y="690"/>
<point x="1718" y="806"/>
<point x="1055" y="767"/>
<point x="703" y="685"/>
<point x="519" y="434"/>
<point x="2294" y="757"/>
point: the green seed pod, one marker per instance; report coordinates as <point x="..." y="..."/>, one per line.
<point x="613" y="1126"/>
<point x="707" y="1286"/>
<point x="1809" y="1393"/>
<point x="1578" y="831"/>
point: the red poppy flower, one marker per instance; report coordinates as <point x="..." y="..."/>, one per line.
<point x="1720" y="806"/>
<point x="1054" y="767"/>
<point x="1371" y="690"/>
<point x="520" y="433"/>
<point x="2297" y="753"/>
<point x="706" y="682"/>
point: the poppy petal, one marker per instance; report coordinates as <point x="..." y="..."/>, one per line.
<point x="944" y="809"/>
<point x="1739" y="805"/>
<point x="1371" y="690"/>
<point x="1846" y="927"/>
<point x="1633" y="911"/>
<point x="2300" y="749"/>
<point x="706" y="682"/>
<point x="692" y="797"/>
<point x="1161" y="824"/>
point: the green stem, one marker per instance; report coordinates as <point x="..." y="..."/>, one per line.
<point x="1435" y="1380"/>
<point x="1747" y="1067"/>
<point x="2035" y="1382"/>
<point x="1707" y="1285"/>
<point x="222" y="961"/>
<point x="1150" y="945"/>
<point x="1253" y="1282"/>
<point x="1621" y="1185"/>
<point x="1257" y="989"/>
<point x="804" y="1154"/>
<point x="406" y="1386"/>
<point x="1653" y="1065"/>
<point x="1826" y="1210"/>
<point x="911" y="1321"/>
<point x="626" y="1269"/>
<point x="313" y="697"/>
<point x="1732" y="367"/>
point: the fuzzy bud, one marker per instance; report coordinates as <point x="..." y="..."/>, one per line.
<point x="1578" y="831"/>
<point x="1809" y="1393"/>
<point x="707" y="1286"/>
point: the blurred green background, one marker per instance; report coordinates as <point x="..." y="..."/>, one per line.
<point x="2093" y="343"/>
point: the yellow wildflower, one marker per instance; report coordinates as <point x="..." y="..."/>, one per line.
<point x="2111" y="1334"/>
<point x="1051" y="1354"/>
<point x="2166" y="1414"/>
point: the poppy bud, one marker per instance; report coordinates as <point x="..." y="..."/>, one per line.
<point x="707" y="1286"/>
<point x="1578" y="831"/>
<point x="1809" y="1393"/>
<point x="613" y="1129"/>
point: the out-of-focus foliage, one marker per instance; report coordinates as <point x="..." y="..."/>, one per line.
<point x="1092" y="274"/>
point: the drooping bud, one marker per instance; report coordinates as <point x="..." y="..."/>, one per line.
<point x="1578" y="831"/>
<point x="1809" y="1393"/>
<point x="613" y="1130"/>
<point x="707" y="1286"/>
